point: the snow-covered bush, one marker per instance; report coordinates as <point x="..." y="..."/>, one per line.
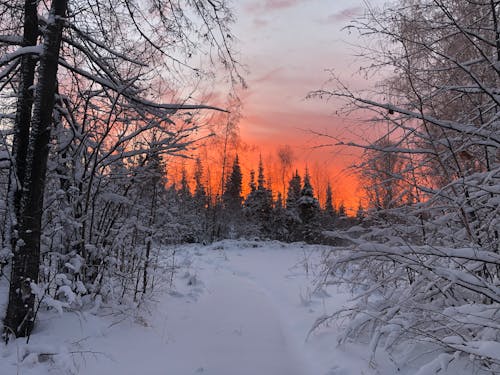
<point x="425" y="264"/>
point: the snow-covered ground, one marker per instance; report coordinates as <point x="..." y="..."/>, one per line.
<point x="237" y="308"/>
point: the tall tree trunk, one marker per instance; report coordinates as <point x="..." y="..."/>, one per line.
<point x="24" y="107"/>
<point x="25" y="263"/>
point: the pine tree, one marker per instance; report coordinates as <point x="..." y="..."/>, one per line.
<point x="231" y="226"/>
<point x="293" y="194"/>
<point x="261" y="180"/>
<point x="252" y="185"/>
<point x="293" y="221"/>
<point x="184" y="190"/>
<point x="201" y="203"/>
<point x="200" y="194"/>
<point x="279" y="229"/>
<point x="360" y="212"/>
<point x="308" y="209"/>
<point x="259" y="205"/>
<point x="232" y="193"/>
<point x="329" y="208"/>
<point x="329" y="214"/>
<point x="341" y="210"/>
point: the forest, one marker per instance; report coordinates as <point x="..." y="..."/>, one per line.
<point x="93" y="124"/>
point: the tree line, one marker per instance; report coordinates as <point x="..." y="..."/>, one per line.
<point x="263" y="214"/>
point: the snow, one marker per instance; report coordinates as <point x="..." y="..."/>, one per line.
<point x="236" y="308"/>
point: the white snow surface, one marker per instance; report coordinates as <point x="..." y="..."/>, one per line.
<point x="236" y="308"/>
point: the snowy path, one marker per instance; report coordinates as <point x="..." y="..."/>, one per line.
<point x="239" y="308"/>
<point x="224" y="323"/>
<point x="233" y="329"/>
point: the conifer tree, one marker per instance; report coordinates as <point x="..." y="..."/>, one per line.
<point x="292" y="215"/>
<point x="279" y="220"/>
<point x="329" y="214"/>
<point x="329" y="208"/>
<point x="259" y="205"/>
<point x="341" y="210"/>
<point x="308" y="209"/>
<point x="293" y="194"/>
<point x="184" y="190"/>
<point x="200" y="193"/>
<point x="252" y="185"/>
<point x="360" y="212"/>
<point x="232" y="204"/>
<point x="232" y="193"/>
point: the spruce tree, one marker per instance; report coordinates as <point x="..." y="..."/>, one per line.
<point x="279" y="229"/>
<point x="232" y="193"/>
<point x="341" y="210"/>
<point x="293" y="194"/>
<point x="252" y="185"/>
<point x="201" y="205"/>
<point x="259" y="205"/>
<point x="292" y="214"/>
<point x="329" y="214"/>
<point x="200" y="194"/>
<point x="232" y="203"/>
<point x="308" y="209"/>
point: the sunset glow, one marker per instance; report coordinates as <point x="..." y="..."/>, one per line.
<point x="288" y="46"/>
<point x="288" y="49"/>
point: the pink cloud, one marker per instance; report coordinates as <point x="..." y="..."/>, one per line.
<point x="343" y="15"/>
<point x="259" y="23"/>
<point x="279" y="4"/>
<point x="270" y="5"/>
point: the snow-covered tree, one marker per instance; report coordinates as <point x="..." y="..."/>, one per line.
<point x="64" y="70"/>
<point x="259" y="206"/>
<point x="430" y="273"/>
<point x="308" y="208"/>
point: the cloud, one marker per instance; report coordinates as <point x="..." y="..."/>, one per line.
<point x="261" y="6"/>
<point x="280" y="4"/>
<point x="260" y="22"/>
<point x="343" y="15"/>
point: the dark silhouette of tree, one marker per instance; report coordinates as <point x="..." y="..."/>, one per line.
<point x="308" y="208"/>
<point x="329" y="214"/>
<point x="232" y="197"/>
<point x="293" y="193"/>
<point x="25" y="262"/>
<point x="259" y="206"/>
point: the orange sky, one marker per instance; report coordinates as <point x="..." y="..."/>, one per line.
<point x="287" y="46"/>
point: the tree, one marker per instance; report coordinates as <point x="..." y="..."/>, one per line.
<point x="382" y="175"/>
<point x="432" y="268"/>
<point x="329" y="213"/>
<point x="259" y="206"/>
<point x="232" y="201"/>
<point x="286" y="158"/>
<point x="20" y="314"/>
<point x="293" y="193"/>
<point x="200" y="194"/>
<point x="308" y="208"/>
<point x="201" y="204"/>
<point x="291" y="208"/>
<point x="232" y="193"/>
<point x="86" y="79"/>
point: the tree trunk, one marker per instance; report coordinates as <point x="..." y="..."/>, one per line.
<point x="25" y="263"/>
<point x="24" y="102"/>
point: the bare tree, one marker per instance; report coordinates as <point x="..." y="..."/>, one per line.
<point x="86" y="78"/>
<point x="440" y="106"/>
